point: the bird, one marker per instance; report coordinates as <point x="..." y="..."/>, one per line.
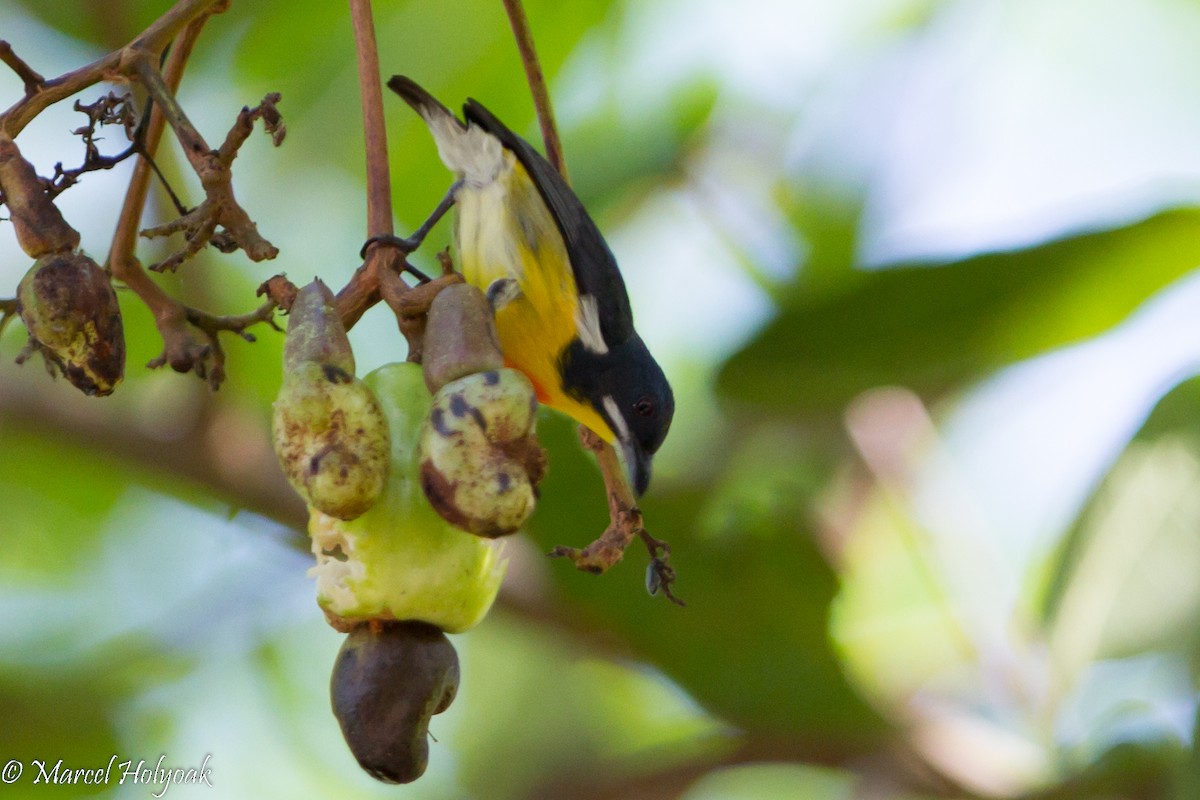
<point x="562" y="310"/>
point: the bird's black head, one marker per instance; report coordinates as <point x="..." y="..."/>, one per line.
<point x="629" y="390"/>
<point x="638" y="405"/>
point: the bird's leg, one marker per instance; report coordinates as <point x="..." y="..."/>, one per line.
<point x="409" y="244"/>
<point x="625" y="524"/>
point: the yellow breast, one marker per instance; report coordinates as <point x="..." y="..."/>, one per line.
<point x="504" y="230"/>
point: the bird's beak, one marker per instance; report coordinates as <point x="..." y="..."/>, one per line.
<point x="637" y="464"/>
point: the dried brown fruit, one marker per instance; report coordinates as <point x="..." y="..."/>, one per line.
<point x="69" y="307"/>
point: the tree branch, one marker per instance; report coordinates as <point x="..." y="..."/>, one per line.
<point x="537" y="85"/>
<point x="32" y="80"/>
<point x="379" y="276"/>
<point x="190" y="458"/>
<point x="121" y="255"/>
<point x="888" y="770"/>
<point x="112" y="67"/>
<point x="214" y="168"/>
<point x="180" y="348"/>
<point x="379" y="189"/>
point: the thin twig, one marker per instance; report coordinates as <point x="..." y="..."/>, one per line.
<point x="537" y="85"/>
<point x="214" y="168"/>
<point x="379" y="276"/>
<point x="359" y="294"/>
<point x="139" y="61"/>
<point x="180" y="348"/>
<point x="121" y="259"/>
<point x="207" y="360"/>
<point x="212" y="364"/>
<point x="113" y="67"/>
<point x="121" y="256"/>
<point x="32" y="80"/>
<point x="362" y="290"/>
<point x="145" y="66"/>
<point x="279" y="290"/>
<point x="164" y="30"/>
<point x="108" y="110"/>
<point x="379" y="189"/>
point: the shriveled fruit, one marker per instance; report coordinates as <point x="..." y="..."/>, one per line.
<point x="70" y="310"/>
<point x="330" y="434"/>
<point x="480" y="462"/>
<point x="388" y="681"/>
<point x="400" y="560"/>
<point x="480" y="459"/>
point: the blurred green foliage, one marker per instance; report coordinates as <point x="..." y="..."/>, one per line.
<point x="828" y="629"/>
<point x="935" y="328"/>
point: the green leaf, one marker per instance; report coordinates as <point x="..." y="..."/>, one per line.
<point x="932" y="329"/>
<point x="1151" y="484"/>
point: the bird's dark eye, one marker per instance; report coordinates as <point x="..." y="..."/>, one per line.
<point x="644" y="406"/>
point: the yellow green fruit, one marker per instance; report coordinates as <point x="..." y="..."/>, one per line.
<point x="400" y="560"/>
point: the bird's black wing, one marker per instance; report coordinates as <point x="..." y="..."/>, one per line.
<point x="595" y="268"/>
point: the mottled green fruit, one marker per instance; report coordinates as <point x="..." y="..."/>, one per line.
<point x="460" y="336"/>
<point x="400" y="560"/>
<point x="388" y="681"/>
<point x="480" y="462"/>
<point x="70" y="310"/>
<point x="331" y="438"/>
<point x="330" y="434"/>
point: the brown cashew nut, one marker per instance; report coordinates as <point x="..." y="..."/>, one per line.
<point x="388" y="681"/>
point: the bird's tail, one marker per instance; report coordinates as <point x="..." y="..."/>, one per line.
<point x="472" y="152"/>
<point x="421" y="101"/>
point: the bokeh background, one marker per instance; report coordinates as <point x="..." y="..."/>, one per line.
<point x="924" y="276"/>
